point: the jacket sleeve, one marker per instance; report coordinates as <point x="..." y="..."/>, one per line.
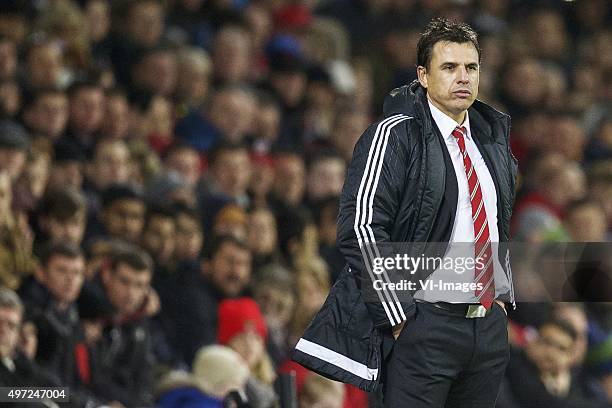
<point x="368" y="207"/>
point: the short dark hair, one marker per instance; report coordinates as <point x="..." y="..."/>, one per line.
<point x="132" y="256"/>
<point x="118" y="192"/>
<point x="224" y="146"/>
<point x="220" y="240"/>
<point x="161" y="211"/>
<point x="84" y="84"/>
<point x="65" y="249"/>
<point x="62" y="203"/>
<point x="440" y="29"/>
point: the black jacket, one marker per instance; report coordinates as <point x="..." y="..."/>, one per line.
<point x="395" y="192"/>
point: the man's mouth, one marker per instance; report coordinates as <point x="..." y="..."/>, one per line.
<point x="463" y="93"/>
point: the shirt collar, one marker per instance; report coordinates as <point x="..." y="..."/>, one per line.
<point x="446" y="124"/>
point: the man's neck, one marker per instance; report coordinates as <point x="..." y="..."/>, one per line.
<point x="457" y="117"/>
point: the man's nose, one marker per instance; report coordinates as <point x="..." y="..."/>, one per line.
<point x="462" y="75"/>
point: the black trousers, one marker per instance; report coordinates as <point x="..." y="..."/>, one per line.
<point x="444" y="360"/>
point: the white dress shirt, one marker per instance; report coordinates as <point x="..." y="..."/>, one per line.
<point x="462" y="235"/>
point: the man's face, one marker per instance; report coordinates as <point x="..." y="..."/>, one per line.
<point x="232" y="171"/>
<point x="63" y="277"/>
<point x="158" y="73"/>
<point x="146" y="23"/>
<point x="232" y="112"/>
<point x="452" y="77"/>
<point x="159" y="238"/>
<point x="10" y="322"/>
<point x="326" y="178"/>
<point x="66" y="173"/>
<point x="124" y="218"/>
<point x="231" y="269"/>
<point x="70" y="230"/>
<point x="111" y="164"/>
<point x="87" y="109"/>
<point x="555" y="350"/>
<point x="13" y="161"/>
<point x="185" y="162"/>
<point x="188" y="237"/>
<point x="49" y="115"/>
<point x="44" y="66"/>
<point x="126" y="288"/>
<point x="289" y="182"/>
<point x="117" y="120"/>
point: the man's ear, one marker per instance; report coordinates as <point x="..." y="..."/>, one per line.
<point x="422" y="76"/>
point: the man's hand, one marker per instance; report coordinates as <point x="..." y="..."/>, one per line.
<point x="397" y="329"/>
<point x="503" y="306"/>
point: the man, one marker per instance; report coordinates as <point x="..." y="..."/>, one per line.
<point x="61" y="217"/>
<point x="541" y="375"/>
<point x="50" y="300"/>
<point x="122" y="215"/>
<point x="438" y="168"/>
<point x="225" y="274"/>
<point x="14" y="145"/>
<point x="123" y="356"/>
<point x="46" y="113"/>
<point x="86" y="106"/>
<point x="16" y="370"/>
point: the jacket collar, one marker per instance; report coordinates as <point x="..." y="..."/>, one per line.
<point x="411" y="100"/>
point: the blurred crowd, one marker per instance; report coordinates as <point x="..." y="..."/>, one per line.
<point x="170" y="173"/>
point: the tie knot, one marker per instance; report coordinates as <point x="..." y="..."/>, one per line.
<point x="459" y="132"/>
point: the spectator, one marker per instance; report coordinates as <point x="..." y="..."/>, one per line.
<point x="228" y="115"/>
<point x="46" y="114"/>
<point x="225" y="274"/>
<point x="319" y="391"/>
<point x="86" y="101"/>
<point x="312" y="283"/>
<point x="61" y="218"/>
<point x="217" y="370"/>
<point x="585" y="221"/>
<point x="16" y="260"/>
<point x="231" y="220"/>
<point x="123" y="356"/>
<point x="263" y="237"/>
<point x="326" y="216"/>
<point x="189" y="237"/>
<point x="541" y="376"/>
<point x="155" y="71"/>
<point x="289" y="185"/>
<point x="67" y="167"/>
<point x="184" y="160"/>
<point x="50" y="301"/>
<point x="231" y="52"/>
<point x="14" y="143"/>
<point x="122" y="215"/>
<point x="325" y="176"/>
<point x="193" y="79"/>
<point x="274" y="292"/>
<point x="110" y="165"/>
<point x="228" y="178"/>
<point x="44" y="64"/>
<point x="117" y="115"/>
<point x="15" y="368"/>
<point x="348" y="125"/>
<point x="158" y="236"/>
<point x="8" y="56"/>
<point x="243" y="329"/>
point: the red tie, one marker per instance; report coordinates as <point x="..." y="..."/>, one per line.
<point x="483" y="271"/>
